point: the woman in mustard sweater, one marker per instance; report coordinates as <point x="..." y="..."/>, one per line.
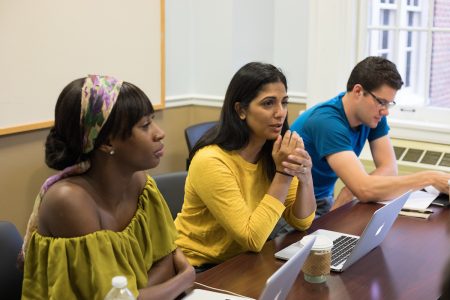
<point x="102" y="215"/>
<point x="245" y="173"/>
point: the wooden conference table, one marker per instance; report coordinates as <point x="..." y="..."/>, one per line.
<point x="407" y="265"/>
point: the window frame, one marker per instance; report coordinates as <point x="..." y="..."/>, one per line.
<point x="415" y="122"/>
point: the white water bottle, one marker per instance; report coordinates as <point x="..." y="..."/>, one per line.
<point x="119" y="290"/>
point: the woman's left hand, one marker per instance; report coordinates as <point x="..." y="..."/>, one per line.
<point x="299" y="164"/>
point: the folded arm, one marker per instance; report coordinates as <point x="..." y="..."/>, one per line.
<point x="168" y="278"/>
<point x="385" y="165"/>
<point x="373" y="187"/>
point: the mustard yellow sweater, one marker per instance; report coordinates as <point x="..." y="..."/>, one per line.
<point x="226" y="210"/>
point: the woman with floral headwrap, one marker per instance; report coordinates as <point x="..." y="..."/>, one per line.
<point x="102" y="216"/>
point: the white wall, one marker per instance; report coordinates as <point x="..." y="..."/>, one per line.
<point x="291" y="42"/>
<point x="313" y="42"/>
<point x="208" y="40"/>
<point x="198" y="48"/>
<point x="178" y="45"/>
<point x="332" y="47"/>
<point x="253" y="31"/>
<point x="212" y="45"/>
<point x="316" y="43"/>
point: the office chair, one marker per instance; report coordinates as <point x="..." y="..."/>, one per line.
<point x="10" y="276"/>
<point x="194" y="133"/>
<point x="171" y="186"/>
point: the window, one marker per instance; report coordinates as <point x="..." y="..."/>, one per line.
<point x="415" y="34"/>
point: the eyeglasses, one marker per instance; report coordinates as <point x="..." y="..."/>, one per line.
<point x="381" y="102"/>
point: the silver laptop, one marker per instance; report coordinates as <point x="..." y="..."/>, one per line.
<point x="347" y="248"/>
<point x="277" y="286"/>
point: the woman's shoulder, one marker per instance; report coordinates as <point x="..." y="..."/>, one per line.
<point x="213" y="152"/>
<point x="211" y="156"/>
<point x="68" y="209"/>
<point x="212" y="161"/>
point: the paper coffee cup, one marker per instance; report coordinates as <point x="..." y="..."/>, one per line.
<point x="317" y="265"/>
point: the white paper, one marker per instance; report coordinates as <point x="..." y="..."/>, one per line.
<point x="417" y="200"/>
<point x="432" y="190"/>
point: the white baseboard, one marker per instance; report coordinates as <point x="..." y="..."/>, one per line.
<point x="216" y="101"/>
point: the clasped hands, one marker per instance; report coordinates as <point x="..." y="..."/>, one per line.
<point x="290" y="156"/>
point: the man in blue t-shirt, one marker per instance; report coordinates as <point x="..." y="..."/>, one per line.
<point x="334" y="133"/>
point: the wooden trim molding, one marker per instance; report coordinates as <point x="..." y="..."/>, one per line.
<point x="25" y="127"/>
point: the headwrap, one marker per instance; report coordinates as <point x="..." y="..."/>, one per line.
<point x="99" y="93"/>
<point x="98" y="96"/>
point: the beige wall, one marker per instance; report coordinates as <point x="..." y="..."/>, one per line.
<point x="173" y="121"/>
<point x="22" y="173"/>
<point x="22" y="167"/>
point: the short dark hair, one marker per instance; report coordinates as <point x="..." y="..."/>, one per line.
<point x="63" y="146"/>
<point x="373" y="72"/>
<point x="232" y="133"/>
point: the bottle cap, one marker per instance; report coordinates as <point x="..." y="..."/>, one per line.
<point x="119" y="282"/>
<point x="321" y="243"/>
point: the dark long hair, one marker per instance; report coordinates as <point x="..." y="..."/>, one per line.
<point x="63" y="146"/>
<point x="232" y="133"/>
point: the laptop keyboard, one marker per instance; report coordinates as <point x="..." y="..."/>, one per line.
<point x="342" y="247"/>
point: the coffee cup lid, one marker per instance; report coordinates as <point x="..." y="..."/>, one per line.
<point x="321" y="243"/>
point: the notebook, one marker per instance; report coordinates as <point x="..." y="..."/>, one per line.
<point x="277" y="286"/>
<point x="347" y="248"/>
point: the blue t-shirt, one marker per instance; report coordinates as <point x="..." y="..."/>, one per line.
<point x="325" y="130"/>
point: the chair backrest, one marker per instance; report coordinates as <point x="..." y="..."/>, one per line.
<point x="171" y="186"/>
<point x="10" y="276"/>
<point x="195" y="132"/>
